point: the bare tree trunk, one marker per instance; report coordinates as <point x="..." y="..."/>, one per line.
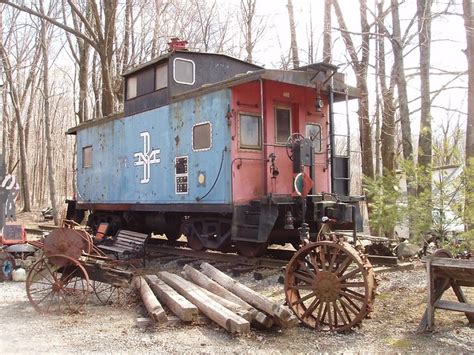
<point x="397" y="46"/>
<point x="17" y="115"/>
<point x="251" y="29"/>
<point x="387" y="134"/>
<point x="360" y="69"/>
<point x="99" y="33"/>
<point x="47" y="128"/>
<point x="468" y="14"/>
<point x="424" y="141"/>
<point x="294" y="44"/>
<point x="247" y="7"/>
<point x="327" y="38"/>
<point x="424" y="174"/>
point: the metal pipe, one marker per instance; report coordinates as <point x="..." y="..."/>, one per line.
<point x="332" y="144"/>
<point x="264" y="140"/>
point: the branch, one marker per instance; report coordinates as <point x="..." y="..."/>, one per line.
<point x="53" y="21"/>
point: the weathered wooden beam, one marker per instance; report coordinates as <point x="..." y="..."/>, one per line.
<point x="455" y="306"/>
<point x="180" y="306"/>
<point x="282" y="314"/>
<point x="212" y="309"/>
<point x="205" y="282"/>
<point x="151" y="303"/>
<point x="247" y="315"/>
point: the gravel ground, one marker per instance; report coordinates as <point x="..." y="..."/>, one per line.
<point x="108" y="329"/>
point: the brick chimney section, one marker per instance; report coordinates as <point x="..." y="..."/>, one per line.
<point x="175" y="44"/>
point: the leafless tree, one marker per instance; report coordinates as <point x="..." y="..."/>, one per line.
<point x="387" y="132"/>
<point x="468" y="14"/>
<point x="294" y="43"/>
<point x="99" y="32"/>
<point x="45" y="41"/>
<point x="252" y="27"/>
<point x="360" y="67"/>
<point x="19" y="93"/>
<point x="425" y="141"/>
<point x="327" y="36"/>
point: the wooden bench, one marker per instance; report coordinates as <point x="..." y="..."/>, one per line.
<point x="444" y="273"/>
<point x="127" y="243"/>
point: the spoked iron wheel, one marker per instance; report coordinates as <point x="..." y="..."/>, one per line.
<point x="62" y="286"/>
<point x="328" y="286"/>
<point x="108" y="294"/>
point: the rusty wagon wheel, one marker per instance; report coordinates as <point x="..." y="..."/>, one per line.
<point x="109" y="294"/>
<point x="62" y="286"/>
<point x="328" y="286"/>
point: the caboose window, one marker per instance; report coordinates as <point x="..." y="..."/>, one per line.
<point x="202" y="136"/>
<point x="313" y="132"/>
<point x="283" y="124"/>
<point x="87" y="156"/>
<point x="161" y="77"/>
<point x="183" y="71"/>
<point x="131" y="87"/>
<point x="250" y="132"/>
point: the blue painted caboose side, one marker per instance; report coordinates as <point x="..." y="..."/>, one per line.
<point x="122" y="149"/>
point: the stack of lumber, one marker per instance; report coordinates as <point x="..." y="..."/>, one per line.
<point x="230" y="304"/>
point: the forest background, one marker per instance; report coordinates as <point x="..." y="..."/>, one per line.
<point x="412" y="60"/>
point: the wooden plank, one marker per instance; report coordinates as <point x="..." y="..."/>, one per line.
<point x="205" y="282"/>
<point x="257" y="300"/>
<point x="259" y="319"/>
<point x="151" y="303"/>
<point x="231" y="306"/>
<point x="455" y="306"/>
<point x="212" y="309"/>
<point x="453" y="263"/>
<point x="180" y="306"/>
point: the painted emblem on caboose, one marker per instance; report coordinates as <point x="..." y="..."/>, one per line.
<point x="147" y="157"/>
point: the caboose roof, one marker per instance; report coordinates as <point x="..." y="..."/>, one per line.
<point x="304" y="77"/>
<point x="166" y="56"/>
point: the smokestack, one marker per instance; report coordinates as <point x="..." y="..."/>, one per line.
<point x="175" y="44"/>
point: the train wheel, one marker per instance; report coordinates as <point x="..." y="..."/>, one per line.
<point x="329" y="286"/>
<point x="194" y="242"/>
<point x="189" y="232"/>
<point x="251" y="249"/>
<point x="55" y="289"/>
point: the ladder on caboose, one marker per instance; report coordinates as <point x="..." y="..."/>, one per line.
<point x="339" y="158"/>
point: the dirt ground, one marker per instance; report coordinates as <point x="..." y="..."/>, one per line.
<point x="108" y="329"/>
<point x="399" y="306"/>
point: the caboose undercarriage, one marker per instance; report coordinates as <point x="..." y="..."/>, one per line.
<point x="248" y="228"/>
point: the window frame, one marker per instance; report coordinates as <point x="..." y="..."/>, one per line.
<point x="174" y="71"/>
<point x="84" y="148"/>
<point x="127" y="94"/>
<point x="320" y="135"/>
<point x="260" y="131"/>
<point x="159" y="66"/>
<point x="276" y="122"/>
<point x="210" y="136"/>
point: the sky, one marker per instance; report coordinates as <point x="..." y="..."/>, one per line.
<point x="448" y="36"/>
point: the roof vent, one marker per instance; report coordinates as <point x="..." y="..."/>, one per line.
<point x="175" y="44"/>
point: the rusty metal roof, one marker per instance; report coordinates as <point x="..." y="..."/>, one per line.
<point x="293" y="77"/>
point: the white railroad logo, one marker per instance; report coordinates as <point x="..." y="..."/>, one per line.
<point x="147" y="157"/>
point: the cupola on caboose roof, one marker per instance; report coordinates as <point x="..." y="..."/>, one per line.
<point x="153" y="84"/>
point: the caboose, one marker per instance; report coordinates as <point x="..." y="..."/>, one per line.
<point x="228" y="153"/>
